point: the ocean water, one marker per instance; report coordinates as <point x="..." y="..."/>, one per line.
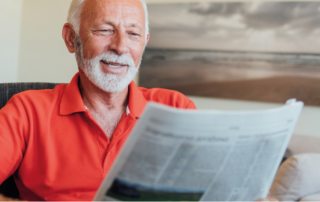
<point x="169" y="67"/>
<point x="213" y="56"/>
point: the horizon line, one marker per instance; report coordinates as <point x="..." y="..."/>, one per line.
<point x="237" y="51"/>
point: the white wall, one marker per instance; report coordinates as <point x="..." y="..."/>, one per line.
<point x="43" y="55"/>
<point x="10" y="15"/>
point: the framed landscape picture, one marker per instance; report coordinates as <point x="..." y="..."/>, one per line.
<point x="261" y="51"/>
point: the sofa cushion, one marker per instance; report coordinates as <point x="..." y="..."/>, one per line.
<point x="297" y="177"/>
<point x="313" y="197"/>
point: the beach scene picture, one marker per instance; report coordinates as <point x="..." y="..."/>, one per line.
<point x="260" y="51"/>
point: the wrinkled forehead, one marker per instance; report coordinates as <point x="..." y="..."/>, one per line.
<point x="122" y="8"/>
<point x="101" y="8"/>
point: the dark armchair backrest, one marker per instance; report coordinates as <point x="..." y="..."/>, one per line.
<point x="7" y="90"/>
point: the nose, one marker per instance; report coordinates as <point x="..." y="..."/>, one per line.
<point x="119" y="43"/>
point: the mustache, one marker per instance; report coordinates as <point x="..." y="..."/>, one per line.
<point x="112" y="57"/>
<point x="108" y="56"/>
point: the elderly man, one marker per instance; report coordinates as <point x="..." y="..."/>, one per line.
<point x="60" y="143"/>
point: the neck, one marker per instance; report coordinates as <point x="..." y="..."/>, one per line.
<point x="98" y="100"/>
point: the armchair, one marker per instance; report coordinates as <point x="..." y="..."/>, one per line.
<point x="298" y="178"/>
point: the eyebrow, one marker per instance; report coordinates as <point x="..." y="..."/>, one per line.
<point x="135" y="25"/>
<point x="109" y="23"/>
<point x="130" y="24"/>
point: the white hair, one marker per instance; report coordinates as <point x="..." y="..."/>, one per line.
<point x="74" y="15"/>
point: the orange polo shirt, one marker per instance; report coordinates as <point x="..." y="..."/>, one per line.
<point x="54" y="147"/>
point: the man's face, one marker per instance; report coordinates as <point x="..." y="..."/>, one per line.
<point x="113" y="25"/>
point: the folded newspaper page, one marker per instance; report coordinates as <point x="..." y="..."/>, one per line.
<point x="212" y="155"/>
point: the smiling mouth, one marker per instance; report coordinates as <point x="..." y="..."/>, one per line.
<point x="114" y="64"/>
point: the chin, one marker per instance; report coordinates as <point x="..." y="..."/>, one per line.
<point x="110" y="83"/>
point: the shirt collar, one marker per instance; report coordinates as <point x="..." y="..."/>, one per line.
<point x="71" y="101"/>
<point x="137" y="101"/>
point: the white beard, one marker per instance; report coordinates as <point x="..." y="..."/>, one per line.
<point x="107" y="82"/>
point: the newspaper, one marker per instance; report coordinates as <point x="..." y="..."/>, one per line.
<point x="189" y="155"/>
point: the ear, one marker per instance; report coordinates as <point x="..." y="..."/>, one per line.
<point x="69" y="37"/>
<point x="148" y="37"/>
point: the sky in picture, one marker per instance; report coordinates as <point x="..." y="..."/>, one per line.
<point x="237" y="26"/>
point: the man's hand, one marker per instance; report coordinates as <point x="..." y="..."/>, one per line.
<point x="269" y="198"/>
<point x="4" y="198"/>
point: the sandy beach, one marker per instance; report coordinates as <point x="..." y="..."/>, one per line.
<point x="277" y="89"/>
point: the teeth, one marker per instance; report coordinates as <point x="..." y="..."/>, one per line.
<point x="114" y="66"/>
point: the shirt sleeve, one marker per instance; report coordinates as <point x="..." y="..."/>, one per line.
<point x="191" y="105"/>
<point x="13" y="126"/>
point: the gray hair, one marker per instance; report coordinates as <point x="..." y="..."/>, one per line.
<point x="74" y="15"/>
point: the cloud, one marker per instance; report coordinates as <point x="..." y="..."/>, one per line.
<point x="217" y="9"/>
<point x="285" y="26"/>
<point x="265" y="15"/>
<point x="273" y="15"/>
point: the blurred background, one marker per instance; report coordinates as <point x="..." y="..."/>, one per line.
<point x="185" y="36"/>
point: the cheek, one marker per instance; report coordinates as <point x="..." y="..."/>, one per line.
<point x="93" y="48"/>
<point x="136" y="50"/>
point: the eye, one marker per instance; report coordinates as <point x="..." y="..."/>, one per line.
<point x="134" y="34"/>
<point x="106" y="30"/>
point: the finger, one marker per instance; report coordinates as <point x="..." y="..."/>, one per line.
<point x="4" y="198"/>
